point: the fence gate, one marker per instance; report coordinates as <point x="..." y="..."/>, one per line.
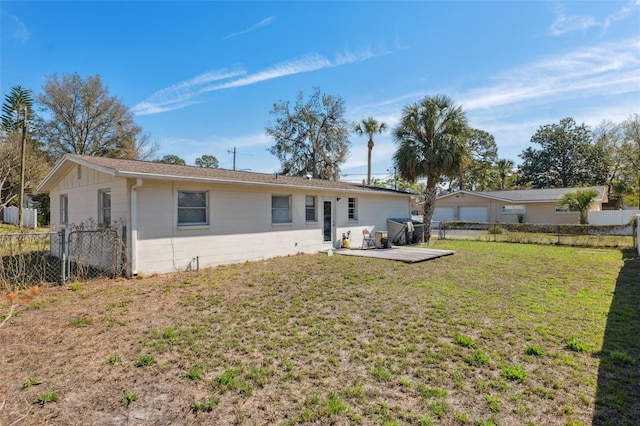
<point x="93" y="253"/>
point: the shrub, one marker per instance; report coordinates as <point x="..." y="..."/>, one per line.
<point x="495" y="230"/>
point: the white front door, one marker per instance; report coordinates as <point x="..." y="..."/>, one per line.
<point x="328" y="225"/>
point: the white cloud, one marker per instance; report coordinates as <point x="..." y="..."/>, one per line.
<point x="593" y="71"/>
<point x="13" y="27"/>
<point x="254" y="27"/>
<point x="568" y="23"/>
<point x="181" y="95"/>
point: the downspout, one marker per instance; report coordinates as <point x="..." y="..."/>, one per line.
<point x="134" y="227"/>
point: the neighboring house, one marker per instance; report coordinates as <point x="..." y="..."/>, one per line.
<point x="534" y="205"/>
<point x="174" y="214"/>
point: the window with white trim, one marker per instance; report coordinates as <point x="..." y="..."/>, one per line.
<point x="104" y="206"/>
<point x="280" y="209"/>
<point x="310" y="208"/>
<point x="193" y="208"/>
<point x="64" y="209"/>
<point x="513" y="209"/>
<point x="353" y="208"/>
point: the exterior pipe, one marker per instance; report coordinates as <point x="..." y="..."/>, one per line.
<point x="134" y="226"/>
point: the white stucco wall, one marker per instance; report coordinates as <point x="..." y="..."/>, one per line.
<point x="82" y="192"/>
<point x="240" y="227"/>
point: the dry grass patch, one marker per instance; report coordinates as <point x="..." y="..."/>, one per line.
<point x="318" y="339"/>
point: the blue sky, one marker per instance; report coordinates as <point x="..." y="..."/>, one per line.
<point x="202" y="76"/>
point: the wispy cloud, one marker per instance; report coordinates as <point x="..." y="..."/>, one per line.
<point x="14" y="28"/>
<point x="567" y="23"/>
<point x="254" y="27"/>
<point x="183" y="94"/>
<point x="598" y="70"/>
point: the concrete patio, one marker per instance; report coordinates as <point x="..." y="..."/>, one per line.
<point x="399" y="253"/>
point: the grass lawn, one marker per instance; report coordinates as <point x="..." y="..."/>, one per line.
<point x="498" y="333"/>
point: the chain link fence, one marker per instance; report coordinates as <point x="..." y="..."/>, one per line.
<point x="28" y="259"/>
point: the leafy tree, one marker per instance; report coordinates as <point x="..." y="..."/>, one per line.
<point x="12" y="108"/>
<point x="567" y="157"/>
<point x="85" y="119"/>
<point x="36" y="162"/>
<point x="479" y="174"/>
<point x="312" y="137"/>
<point x="369" y="126"/>
<point x="631" y="146"/>
<point x="431" y="138"/>
<point x="504" y="167"/>
<point x="580" y="201"/>
<point x="171" y="159"/>
<point x="208" y="161"/>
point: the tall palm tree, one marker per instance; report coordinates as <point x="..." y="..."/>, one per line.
<point x="431" y="144"/>
<point x="504" y="166"/>
<point x="369" y="126"/>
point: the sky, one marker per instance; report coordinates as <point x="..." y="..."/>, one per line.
<point x="203" y="76"/>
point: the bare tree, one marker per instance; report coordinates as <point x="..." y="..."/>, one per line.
<point x="84" y="119"/>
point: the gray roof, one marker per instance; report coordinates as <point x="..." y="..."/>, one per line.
<point x="532" y="195"/>
<point x="161" y="171"/>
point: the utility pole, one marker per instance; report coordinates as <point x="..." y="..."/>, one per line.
<point x="22" y="161"/>
<point x="234" y="156"/>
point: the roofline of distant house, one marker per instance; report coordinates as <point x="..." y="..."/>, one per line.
<point x="510" y="200"/>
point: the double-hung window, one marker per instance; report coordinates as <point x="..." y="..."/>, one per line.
<point x="280" y="209"/>
<point x="193" y="208"/>
<point x="353" y="208"/>
<point x="64" y="209"/>
<point x="311" y="214"/>
<point x="104" y="206"/>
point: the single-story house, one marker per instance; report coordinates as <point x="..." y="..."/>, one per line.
<point x="174" y="214"/>
<point x="534" y="205"/>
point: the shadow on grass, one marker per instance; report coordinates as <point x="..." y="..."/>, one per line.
<point x="618" y="393"/>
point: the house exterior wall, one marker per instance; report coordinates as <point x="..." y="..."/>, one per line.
<point x="535" y="212"/>
<point x="239" y="224"/>
<point x="82" y="191"/>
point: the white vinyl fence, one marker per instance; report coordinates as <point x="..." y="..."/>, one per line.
<point x="612" y="217"/>
<point x="29" y="217"/>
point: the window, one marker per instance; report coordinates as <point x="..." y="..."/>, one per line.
<point x="104" y="205"/>
<point x="353" y="208"/>
<point x="79" y="169"/>
<point x="310" y="209"/>
<point x="64" y="209"/>
<point x="564" y="208"/>
<point x="513" y="209"/>
<point x="280" y="209"/>
<point x="192" y="208"/>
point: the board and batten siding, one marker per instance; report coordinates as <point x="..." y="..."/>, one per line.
<point x="82" y="191"/>
<point x="239" y="224"/>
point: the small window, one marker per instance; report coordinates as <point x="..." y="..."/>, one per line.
<point x="79" y="170"/>
<point x="353" y="209"/>
<point x="560" y="208"/>
<point x="104" y="204"/>
<point x="513" y="209"/>
<point x="280" y="209"/>
<point x="64" y="209"/>
<point x="192" y="208"/>
<point x="310" y="209"/>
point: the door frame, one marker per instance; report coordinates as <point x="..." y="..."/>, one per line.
<point x="329" y="244"/>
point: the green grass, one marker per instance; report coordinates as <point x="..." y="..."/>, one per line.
<point x="479" y="337"/>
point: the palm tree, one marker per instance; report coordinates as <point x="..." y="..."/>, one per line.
<point x="504" y="166"/>
<point x="431" y="144"/>
<point x="369" y="126"/>
<point x="580" y="201"/>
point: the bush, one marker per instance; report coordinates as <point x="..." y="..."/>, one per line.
<point x="495" y="230"/>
